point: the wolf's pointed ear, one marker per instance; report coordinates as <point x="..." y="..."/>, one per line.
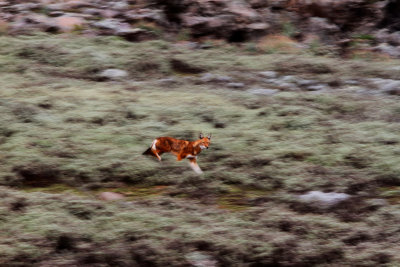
<point x="201" y="136"/>
<point x="209" y="136"/>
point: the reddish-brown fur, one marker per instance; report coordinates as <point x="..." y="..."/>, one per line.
<point x="180" y="148"/>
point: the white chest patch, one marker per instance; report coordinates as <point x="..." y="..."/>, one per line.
<point x="190" y="157"/>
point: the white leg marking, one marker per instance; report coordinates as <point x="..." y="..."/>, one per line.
<point x="191" y="157"/>
<point x="196" y="168"/>
<point x="153" y="145"/>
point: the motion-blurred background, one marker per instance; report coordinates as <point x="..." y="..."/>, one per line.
<point x="301" y="98"/>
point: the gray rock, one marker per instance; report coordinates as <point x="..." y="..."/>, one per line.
<point x="393" y="51"/>
<point x="116" y="27"/>
<point x="392" y="87"/>
<point x="258" y="26"/>
<point x="113" y="74"/>
<point x="304" y="82"/>
<point x="120" y="5"/>
<point x="377" y="81"/>
<point x="191" y="21"/>
<point x="110" y="24"/>
<point x="26" y="6"/>
<point x="394" y="38"/>
<point x="167" y="81"/>
<point x="55" y="7"/>
<point x="384" y="36"/>
<point x="387" y="86"/>
<point x="289" y="79"/>
<point x="262" y="91"/>
<point x="241" y="9"/>
<point x="323" y="200"/>
<point x="235" y="85"/>
<point x="268" y="74"/>
<point x="352" y="82"/>
<point x="321" y="25"/>
<point x="395" y="68"/>
<point x="285" y="85"/>
<point x="77" y="4"/>
<point x="323" y="28"/>
<point x="200" y="259"/>
<point x="209" y="77"/>
<point x="146" y="14"/>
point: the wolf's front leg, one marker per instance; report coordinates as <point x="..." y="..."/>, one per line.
<point x="194" y="166"/>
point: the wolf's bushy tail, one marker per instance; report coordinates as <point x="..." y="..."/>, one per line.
<point x="148" y="152"/>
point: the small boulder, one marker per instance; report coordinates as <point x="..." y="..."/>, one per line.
<point x="386" y="86"/>
<point x="268" y="74"/>
<point x="113" y="74"/>
<point x="258" y="26"/>
<point x="200" y="259"/>
<point x="110" y="25"/>
<point x="391" y="88"/>
<point x="323" y="200"/>
<point x="393" y="51"/>
<point x="243" y="11"/>
<point x="210" y="77"/>
<point x="154" y="15"/>
<point x="289" y="78"/>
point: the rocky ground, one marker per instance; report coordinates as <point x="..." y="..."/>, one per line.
<point x="343" y="25"/>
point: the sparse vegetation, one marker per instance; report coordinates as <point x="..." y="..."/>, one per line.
<point x="66" y="136"/>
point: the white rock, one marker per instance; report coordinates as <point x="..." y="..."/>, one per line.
<point x="352" y="82"/>
<point x="323" y="200"/>
<point x="200" y="259"/>
<point x="390" y="87"/>
<point x="113" y="74"/>
<point x="268" y="74"/>
<point x="209" y="77"/>
<point x="304" y="82"/>
<point x="289" y="79"/>
<point x="387" y="86"/>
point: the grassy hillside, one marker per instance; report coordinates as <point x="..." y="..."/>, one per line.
<point x="67" y="134"/>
